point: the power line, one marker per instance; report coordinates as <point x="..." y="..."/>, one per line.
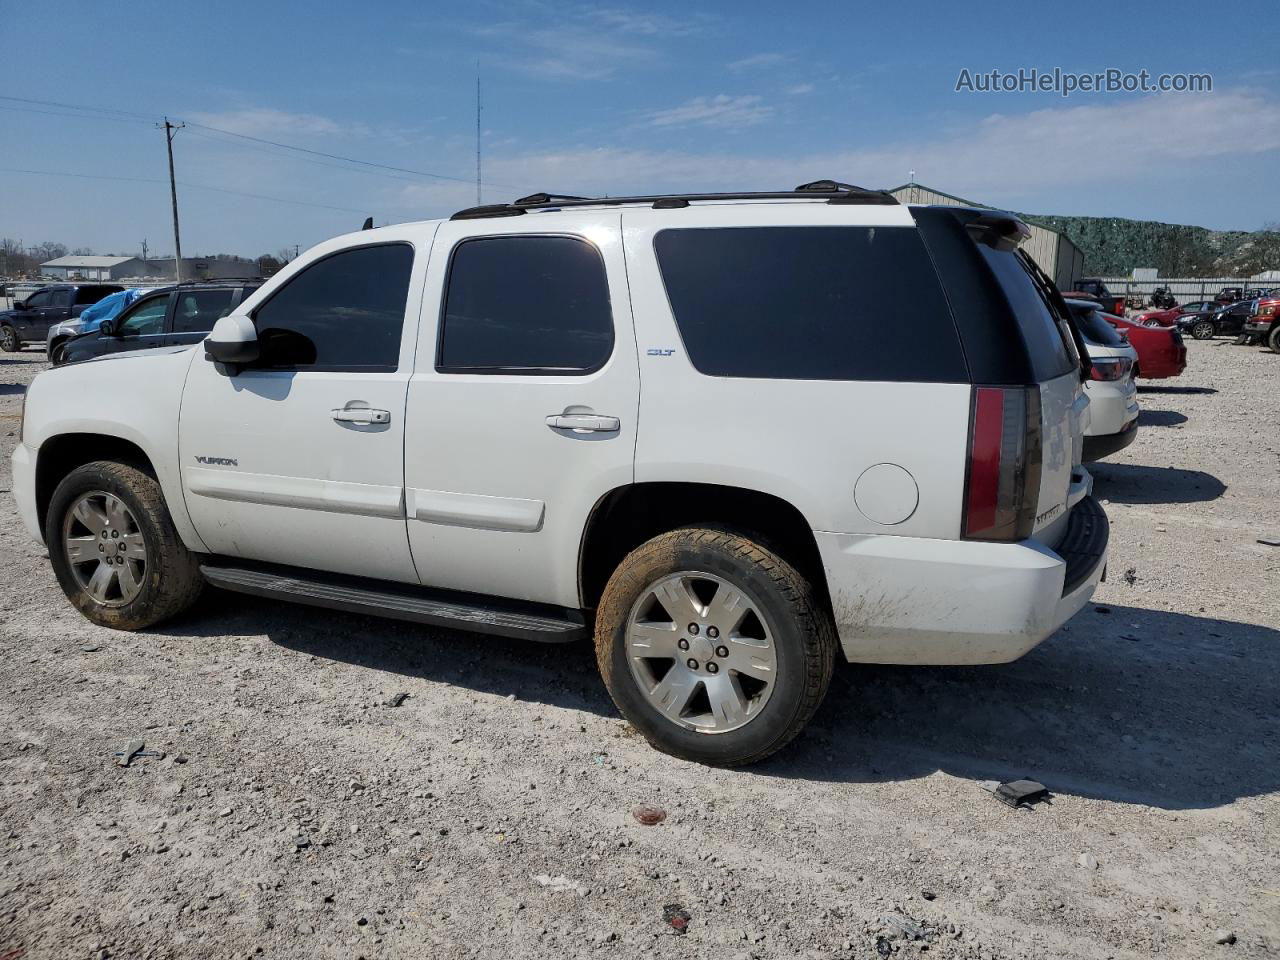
<point x="124" y="114"/>
<point x="181" y="183"/>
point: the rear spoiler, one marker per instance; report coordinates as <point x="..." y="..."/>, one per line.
<point x="1002" y="231"/>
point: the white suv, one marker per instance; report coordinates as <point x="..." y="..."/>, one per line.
<point x="731" y="436"/>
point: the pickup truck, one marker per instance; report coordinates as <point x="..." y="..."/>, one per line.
<point x="1264" y="325"/>
<point x="1091" y="288"/>
<point x="29" y="320"/>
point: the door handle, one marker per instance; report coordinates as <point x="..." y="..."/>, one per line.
<point x="360" y="415"/>
<point x="583" y="423"/>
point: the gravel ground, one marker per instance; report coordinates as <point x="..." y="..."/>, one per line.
<point x="490" y="814"/>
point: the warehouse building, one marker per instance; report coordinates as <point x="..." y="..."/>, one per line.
<point x="1056" y="255"/>
<point x="93" y="268"/>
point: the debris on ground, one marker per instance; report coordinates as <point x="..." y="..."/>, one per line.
<point x="1017" y="793"/>
<point x="560" y="884"/>
<point x="677" y="916"/>
<point x="648" y="816"/>
<point x="396" y="699"/>
<point x="90" y="648"/>
<point x="1224" y="938"/>
<point x="1131" y="576"/>
<point x="1269" y="541"/>
<point x="1088" y="861"/>
<point x="904" y="927"/>
<point x="133" y="750"/>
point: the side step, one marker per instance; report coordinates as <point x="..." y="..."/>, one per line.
<point x="459" y="611"/>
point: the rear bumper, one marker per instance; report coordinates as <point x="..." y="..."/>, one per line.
<point x="1095" y="448"/>
<point x="911" y="600"/>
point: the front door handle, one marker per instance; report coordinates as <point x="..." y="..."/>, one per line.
<point x="361" y="415"/>
<point x="583" y="423"/>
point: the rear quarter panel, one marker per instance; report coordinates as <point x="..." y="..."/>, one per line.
<point x="805" y="441"/>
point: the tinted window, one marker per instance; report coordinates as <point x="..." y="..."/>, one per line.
<point x="88" y="295"/>
<point x="810" y="303"/>
<point x="1050" y="356"/>
<point x="40" y="298"/>
<point x="197" y="310"/>
<point x="145" y="319"/>
<point x="344" y="312"/>
<point x="526" y="304"/>
<point x="1095" y="327"/>
<point x="60" y="298"/>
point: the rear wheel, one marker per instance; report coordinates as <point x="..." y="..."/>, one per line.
<point x="1203" y="330"/>
<point x="9" y="341"/>
<point x="1273" y="337"/>
<point x="114" y="549"/>
<point x="715" y="648"/>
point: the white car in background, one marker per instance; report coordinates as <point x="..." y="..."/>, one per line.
<point x="1112" y="390"/>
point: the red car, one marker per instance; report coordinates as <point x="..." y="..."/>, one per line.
<point x="1161" y="352"/>
<point x="1167" y="318"/>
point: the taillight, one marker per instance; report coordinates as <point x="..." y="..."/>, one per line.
<point x="1110" y="368"/>
<point x="1003" y="481"/>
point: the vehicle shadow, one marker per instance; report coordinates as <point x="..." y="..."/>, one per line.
<point x="1144" y="388"/>
<point x="7" y="389"/>
<point x="1141" y="706"/>
<point x="1123" y="704"/>
<point x="1161" y="418"/>
<point x="1135" y="483"/>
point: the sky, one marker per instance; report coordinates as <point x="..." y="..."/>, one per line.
<point x="591" y="99"/>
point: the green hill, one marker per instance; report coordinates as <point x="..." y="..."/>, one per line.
<point x="1113" y="247"/>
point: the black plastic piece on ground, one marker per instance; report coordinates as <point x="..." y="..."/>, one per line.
<point x="1015" y="793"/>
<point x="442" y="608"/>
<point x="1085" y="542"/>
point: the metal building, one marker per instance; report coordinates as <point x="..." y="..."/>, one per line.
<point x="92" y="268"/>
<point x="1056" y="255"/>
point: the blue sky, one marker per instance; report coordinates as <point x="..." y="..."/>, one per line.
<point x="585" y="98"/>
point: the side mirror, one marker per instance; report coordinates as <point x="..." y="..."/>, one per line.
<point x="107" y="328"/>
<point x="233" y="340"/>
<point x="20" y="305"/>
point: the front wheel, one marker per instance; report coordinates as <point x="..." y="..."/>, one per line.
<point x="715" y="648"/>
<point x="1202" y="330"/>
<point x="114" y="549"/>
<point x="9" y="341"/>
<point x="1273" y="338"/>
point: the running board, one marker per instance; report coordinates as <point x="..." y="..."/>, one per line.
<point x="504" y="618"/>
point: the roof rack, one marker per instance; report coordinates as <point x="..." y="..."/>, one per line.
<point x="833" y="191"/>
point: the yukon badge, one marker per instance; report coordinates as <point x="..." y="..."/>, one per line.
<point x="218" y="461"/>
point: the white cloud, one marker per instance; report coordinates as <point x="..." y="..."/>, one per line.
<point x="1002" y="159"/>
<point x="266" y="122"/>
<point x="758" y="60"/>
<point x="721" y="111"/>
<point x="799" y="89"/>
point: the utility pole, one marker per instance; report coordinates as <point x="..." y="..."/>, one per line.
<point x="478" y="200"/>
<point x="144" y="249"/>
<point x="169" y="130"/>
<point x="295" y="251"/>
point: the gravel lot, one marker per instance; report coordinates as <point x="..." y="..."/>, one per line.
<point x="297" y="815"/>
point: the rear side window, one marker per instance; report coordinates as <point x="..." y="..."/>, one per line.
<point x="810" y="303"/>
<point x="198" y="310"/>
<point x="60" y="298"/>
<point x="1050" y="356"/>
<point x="344" y="312"/>
<point x="1095" y="327"/>
<point x="526" y="305"/>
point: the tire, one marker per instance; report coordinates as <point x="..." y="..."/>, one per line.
<point x="781" y="629"/>
<point x="1204" y="330"/>
<point x="1273" y="338"/>
<point x="9" y="340"/>
<point x="110" y="585"/>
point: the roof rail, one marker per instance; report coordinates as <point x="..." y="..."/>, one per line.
<point x="833" y="191"/>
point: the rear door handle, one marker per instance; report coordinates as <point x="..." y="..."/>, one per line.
<point x="583" y="423"/>
<point x="360" y="415"/>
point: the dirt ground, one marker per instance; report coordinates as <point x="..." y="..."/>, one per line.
<point x="490" y="814"/>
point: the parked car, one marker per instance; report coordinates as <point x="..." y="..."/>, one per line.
<point x="92" y="317"/>
<point x="1113" y="395"/>
<point x="1263" y="326"/>
<point x="1168" y="318"/>
<point x="29" y="320"/>
<point x="1230" y="294"/>
<point x="1225" y="320"/>
<point x="1161" y="352"/>
<point x="169" y="316"/>
<point x="704" y="431"/>
<point x="1095" y="289"/>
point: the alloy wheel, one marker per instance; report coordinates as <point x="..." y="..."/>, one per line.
<point x="701" y="652"/>
<point x="105" y="548"/>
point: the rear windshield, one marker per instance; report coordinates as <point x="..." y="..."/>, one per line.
<point x="1095" y="327"/>
<point x="810" y="303"/>
<point x="1050" y="356"/>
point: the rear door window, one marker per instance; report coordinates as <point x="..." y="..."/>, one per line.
<point x="1046" y="346"/>
<point x="197" y="310"/>
<point x="810" y="303"/>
